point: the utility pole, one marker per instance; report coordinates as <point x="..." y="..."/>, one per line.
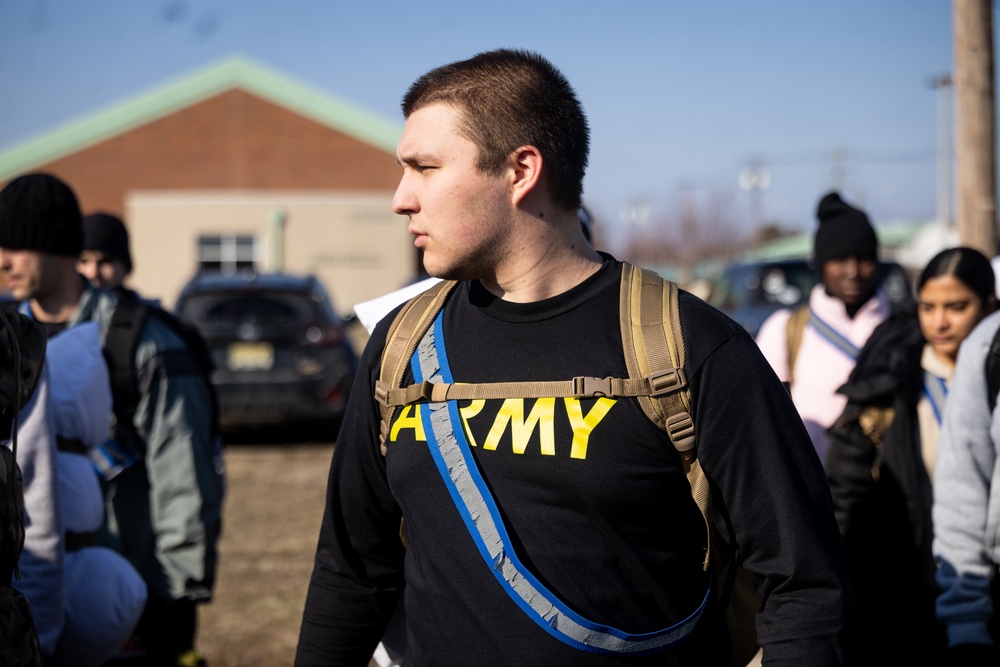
<point x="755" y="179"/>
<point x="975" y="164"/>
<point x="838" y="170"/>
<point x="942" y="83"/>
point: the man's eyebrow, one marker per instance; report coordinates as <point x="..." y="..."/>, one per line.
<point x="415" y="158"/>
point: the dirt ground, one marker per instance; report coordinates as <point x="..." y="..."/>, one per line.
<point x="271" y="522"/>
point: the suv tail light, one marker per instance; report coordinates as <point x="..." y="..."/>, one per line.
<point x="323" y="334"/>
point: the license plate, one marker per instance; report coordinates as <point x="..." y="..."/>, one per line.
<point x="250" y="356"/>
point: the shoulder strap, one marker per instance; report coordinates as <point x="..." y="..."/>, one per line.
<point x="652" y="342"/>
<point x="653" y="346"/>
<point x="404" y="333"/>
<point x="993" y="370"/>
<point x="120" y="343"/>
<point x="793" y="337"/>
<point x="661" y="382"/>
<point x="198" y="354"/>
<point x="652" y="338"/>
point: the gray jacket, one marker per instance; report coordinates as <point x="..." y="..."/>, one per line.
<point x="164" y="513"/>
<point x="967" y="494"/>
<point x="42" y="578"/>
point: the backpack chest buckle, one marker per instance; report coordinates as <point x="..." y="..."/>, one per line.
<point x="588" y="387"/>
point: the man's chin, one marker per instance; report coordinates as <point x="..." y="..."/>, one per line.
<point x="444" y="272"/>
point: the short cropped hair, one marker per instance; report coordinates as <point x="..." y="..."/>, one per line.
<point x="507" y="99"/>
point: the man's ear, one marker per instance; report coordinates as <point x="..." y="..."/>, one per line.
<point x="526" y="169"/>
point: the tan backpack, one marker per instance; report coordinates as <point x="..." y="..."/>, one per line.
<point x="654" y="354"/>
<point x="794" y="328"/>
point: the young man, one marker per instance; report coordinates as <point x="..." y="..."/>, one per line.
<point x="590" y="495"/>
<point x="105" y="260"/>
<point x="843" y="310"/>
<point x="966" y="509"/>
<point x="164" y="494"/>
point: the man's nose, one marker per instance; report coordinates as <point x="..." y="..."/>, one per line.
<point x="403" y="200"/>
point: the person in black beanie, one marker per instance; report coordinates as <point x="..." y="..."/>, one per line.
<point x="86" y="599"/>
<point x="162" y="466"/>
<point x="813" y="348"/>
<point x="845" y="252"/>
<point x="105" y="260"/>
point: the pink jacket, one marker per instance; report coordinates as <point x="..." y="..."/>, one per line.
<point x="820" y="367"/>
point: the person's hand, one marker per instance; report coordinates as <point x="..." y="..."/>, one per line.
<point x="973" y="655"/>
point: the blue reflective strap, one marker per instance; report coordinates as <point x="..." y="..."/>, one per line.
<point x="458" y="469"/>
<point x="936" y="391"/>
<point x="110" y="459"/>
<point x="833" y="336"/>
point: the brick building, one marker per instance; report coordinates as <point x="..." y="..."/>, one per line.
<point x="236" y="167"/>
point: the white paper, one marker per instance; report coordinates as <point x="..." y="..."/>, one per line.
<point x="371" y="312"/>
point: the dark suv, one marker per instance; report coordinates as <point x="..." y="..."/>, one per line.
<point x="280" y="350"/>
<point x="750" y="292"/>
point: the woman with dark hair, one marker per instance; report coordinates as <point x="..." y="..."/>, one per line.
<point x="880" y="464"/>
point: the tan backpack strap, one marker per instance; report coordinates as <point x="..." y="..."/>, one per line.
<point x="405" y="332"/>
<point x="874" y="421"/>
<point x="652" y="339"/>
<point x="578" y="387"/>
<point x="793" y="337"/>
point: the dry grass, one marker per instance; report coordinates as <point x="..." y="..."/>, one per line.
<point x="272" y="515"/>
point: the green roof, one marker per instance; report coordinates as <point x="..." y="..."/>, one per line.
<point x="171" y="96"/>
<point x="891" y="234"/>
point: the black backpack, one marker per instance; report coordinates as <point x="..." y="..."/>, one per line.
<point x="993" y="370"/>
<point x="22" y="353"/>
<point x="121" y="342"/>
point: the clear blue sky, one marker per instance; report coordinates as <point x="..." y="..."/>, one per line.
<point x="679" y="94"/>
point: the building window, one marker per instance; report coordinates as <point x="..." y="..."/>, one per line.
<point x="227" y="254"/>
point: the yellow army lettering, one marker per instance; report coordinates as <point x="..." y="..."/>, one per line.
<point x="511" y="417"/>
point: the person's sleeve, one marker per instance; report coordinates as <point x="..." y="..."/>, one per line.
<point x="41" y="564"/>
<point x="184" y="469"/>
<point x="357" y="575"/>
<point x="772" y="341"/>
<point x="754" y="448"/>
<point x="965" y="461"/>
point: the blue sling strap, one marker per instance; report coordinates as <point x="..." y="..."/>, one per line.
<point x="936" y="391"/>
<point x="477" y="507"/>
<point x="833" y="336"/>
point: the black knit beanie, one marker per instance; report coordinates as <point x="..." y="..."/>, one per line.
<point x="39" y="212"/>
<point x="106" y="233"/>
<point x="843" y="231"/>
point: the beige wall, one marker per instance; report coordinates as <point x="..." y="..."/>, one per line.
<point x="353" y="242"/>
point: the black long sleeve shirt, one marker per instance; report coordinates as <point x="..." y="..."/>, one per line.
<point x="603" y="518"/>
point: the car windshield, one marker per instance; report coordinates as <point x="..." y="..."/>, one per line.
<point x="776" y="284"/>
<point x="252" y="308"/>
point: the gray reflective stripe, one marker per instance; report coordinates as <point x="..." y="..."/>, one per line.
<point x="470" y="494"/>
<point x="834" y="337"/>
